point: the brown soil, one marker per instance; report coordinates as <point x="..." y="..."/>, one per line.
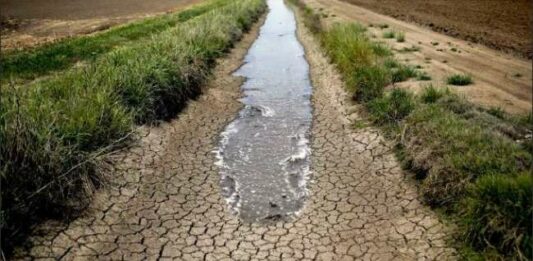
<point x="500" y="80"/>
<point x="500" y="24"/>
<point x="28" y="23"/>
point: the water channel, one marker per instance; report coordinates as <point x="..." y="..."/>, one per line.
<point x="263" y="155"/>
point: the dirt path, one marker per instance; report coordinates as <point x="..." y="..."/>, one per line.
<point x="27" y="23"/>
<point x="166" y="201"/>
<point x="494" y="73"/>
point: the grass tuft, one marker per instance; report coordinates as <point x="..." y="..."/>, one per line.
<point x="369" y="82"/>
<point x="400" y="37"/>
<point x="389" y="34"/>
<point x="430" y="94"/>
<point x="496" y="112"/>
<point x="459" y="80"/>
<point x="402" y="73"/>
<point x="392" y="108"/>
<point x="423" y="76"/>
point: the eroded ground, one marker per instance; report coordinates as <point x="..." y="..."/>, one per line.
<point x="28" y="23"/>
<point x="165" y="201"/>
<point x="500" y="80"/>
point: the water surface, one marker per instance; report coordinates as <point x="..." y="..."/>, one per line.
<point x="264" y="154"/>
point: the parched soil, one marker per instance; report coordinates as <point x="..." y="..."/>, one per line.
<point x="166" y="202"/>
<point x="500" y="24"/>
<point x="500" y="80"/>
<point x="28" y="23"/>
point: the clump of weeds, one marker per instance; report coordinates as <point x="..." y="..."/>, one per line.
<point x="459" y="80"/>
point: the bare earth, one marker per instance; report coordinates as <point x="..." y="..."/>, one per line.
<point x="494" y="73"/>
<point x="166" y="202"/>
<point x="501" y="24"/>
<point x="28" y="23"/>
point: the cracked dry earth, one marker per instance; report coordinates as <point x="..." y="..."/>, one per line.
<point x="165" y="202"/>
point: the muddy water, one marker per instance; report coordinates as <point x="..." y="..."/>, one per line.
<point x="263" y="154"/>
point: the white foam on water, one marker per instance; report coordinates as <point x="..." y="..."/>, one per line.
<point x="219" y="151"/>
<point x="303" y="172"/>
<point x="234" y="199"/>
<point x="303" y="150"/>
<point x="266" y="111"/>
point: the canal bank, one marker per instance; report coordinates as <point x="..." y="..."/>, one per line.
<point x="166" y="201"/>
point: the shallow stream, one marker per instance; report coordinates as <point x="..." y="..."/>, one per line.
<point x="263" y="154"/>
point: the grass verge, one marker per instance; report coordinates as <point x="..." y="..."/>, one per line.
<point x="33" y="62"/>
<point x="53" y="130"/>
<point x="472" y="163"/>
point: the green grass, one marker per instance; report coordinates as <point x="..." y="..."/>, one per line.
<point x="366" y="65"/>
<point x="393" y="107"/>
<point x="53" y="129"/>
<point x="459" y="80"/>
<point x="403" y="73"/>
<point x="469" y="163"/>
<point x="34" y="62"/>
<point x="358" y="60"/>
<point x="400" y="37"/>
<point x="423" y="76"/>
<point x="498" y="211"/>
<point x="311" y="18"/>
<point x="430" y="94"/>
<point x="391" y="63"/>
<point x="472" y="163"/>
<point x="389" y="34"/>
<point x="496" y="112"/>
<point x="452" y="152"/>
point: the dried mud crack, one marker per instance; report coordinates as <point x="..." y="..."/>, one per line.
<point x="165" y="200"/>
